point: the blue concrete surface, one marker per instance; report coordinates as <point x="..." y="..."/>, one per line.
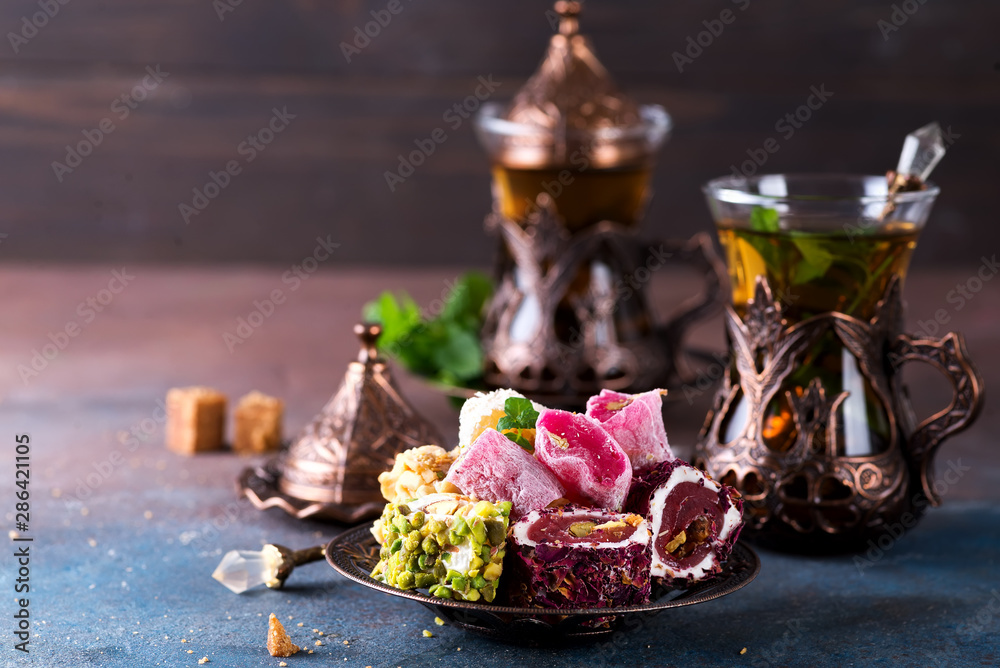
<point x="122" y="577"/>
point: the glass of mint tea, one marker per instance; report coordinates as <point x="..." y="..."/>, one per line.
<point x="825" y="243"/>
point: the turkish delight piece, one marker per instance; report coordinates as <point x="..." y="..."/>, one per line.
<point x="635" y="421"/>
<point x="449" y="544"/>
<point x="574" y="557"/>
<point x="497" y="469"/>
<point x="694" y="520"/>
<point x="417" y="472"/>
<point x="589" y="463"/>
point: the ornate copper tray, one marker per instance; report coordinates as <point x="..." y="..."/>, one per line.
<point x="354" y="554"/>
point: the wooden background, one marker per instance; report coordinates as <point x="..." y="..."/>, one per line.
<point x="324" y="175"/>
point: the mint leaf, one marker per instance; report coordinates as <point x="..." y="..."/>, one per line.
<point x="445" y="348"/>
<point x="763" y="219"/>
<point x="522" y="441"/>
<point x="457" y="352"/>
<point x="521" y="413"/>
<point x="505" y="423"/>
<point x="398" y="317"/>
<point x="816" y="259"/>
<point x="464" y="305"/>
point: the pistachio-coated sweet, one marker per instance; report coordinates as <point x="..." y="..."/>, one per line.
<point x="451" y="545"/>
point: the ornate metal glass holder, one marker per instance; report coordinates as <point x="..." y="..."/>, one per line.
<point x="810" y="497"/>
<point x="540" y="268"/>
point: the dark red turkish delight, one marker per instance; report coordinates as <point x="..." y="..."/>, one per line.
<point x="694" y="520"/>
<point x="574" y="557"/>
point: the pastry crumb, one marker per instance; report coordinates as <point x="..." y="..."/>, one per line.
<point x="301" y="624"/>
<point x="283" y="664"/>
<point x="427" y="634"/>
<point x="439" y="621"/>
<point x="319" y="643"/>
<point x="278" y="642"/>
<point x="190" y="651"/>
<point x="743" y="651"/>
<point x="203" y="660"/>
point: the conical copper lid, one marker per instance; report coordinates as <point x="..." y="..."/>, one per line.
<point x="571" y="109"/>
<point x="338" y="456"/>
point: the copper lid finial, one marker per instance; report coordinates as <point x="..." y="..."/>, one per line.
<point x="368" y="333"/>
<point x="571" y="89"/>
<point x="568" y="11"/>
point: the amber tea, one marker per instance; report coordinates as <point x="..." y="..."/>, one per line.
<point x="582" y="197"/>
<point x="816" y="272"/>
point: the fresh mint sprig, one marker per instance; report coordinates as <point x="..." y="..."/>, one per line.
<point x="519" y="414"/>
<point x="445" y="347"/>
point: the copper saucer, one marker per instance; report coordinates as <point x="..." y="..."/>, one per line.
<point x="261" y="485"/>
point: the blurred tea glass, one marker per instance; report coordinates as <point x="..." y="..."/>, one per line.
<point x="571" y="157"/>
<point x="812" y="422"/>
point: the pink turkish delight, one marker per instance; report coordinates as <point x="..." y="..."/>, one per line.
<point x="635" y="421"/>
<point x="594" y="470"/>
<point x="494" y="468"/>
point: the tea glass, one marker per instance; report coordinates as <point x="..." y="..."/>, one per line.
<point x="812" y="424"/>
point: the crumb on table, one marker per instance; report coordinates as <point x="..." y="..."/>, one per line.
<point x="278" y="642"/>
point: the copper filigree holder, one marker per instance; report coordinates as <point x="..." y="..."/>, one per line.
<point x="331" y="470"/>
<point x="542" y="266"/>
<point x="808" y="497"/>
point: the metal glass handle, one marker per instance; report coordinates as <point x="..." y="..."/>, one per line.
<point x="949" y="355"/>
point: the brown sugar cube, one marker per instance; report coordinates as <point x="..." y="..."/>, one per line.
<point x="258" y="424"/>
<point x="196" y="419"/>
<point x="278" y="642"/>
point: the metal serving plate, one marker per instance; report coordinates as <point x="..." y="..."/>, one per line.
<point x="354" y="554"/>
